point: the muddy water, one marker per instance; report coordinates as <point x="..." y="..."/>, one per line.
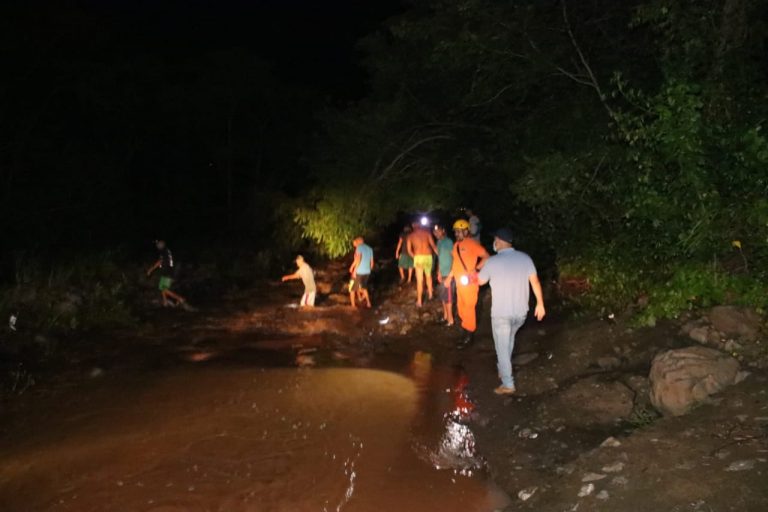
<point x="217" y="438"/>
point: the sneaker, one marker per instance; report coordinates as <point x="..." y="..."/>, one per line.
<point x="504" y="390"/>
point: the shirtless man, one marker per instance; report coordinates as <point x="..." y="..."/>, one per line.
<point x="421" y="246"/>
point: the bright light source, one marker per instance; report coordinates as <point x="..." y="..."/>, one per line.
<point x="384" y="321"/>
<point x="464" y="280"/>
<point x="424" y="221"/>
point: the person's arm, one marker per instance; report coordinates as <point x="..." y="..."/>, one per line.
<point x="409" y="246"/>
<point x="155" y="266"/>
<point x="483" y="276"/>
<point x="371" y="261"/>
<point x="483" y="258"/>
<point x="432" y="244"/>
<point x="399" y="246"/>
<point x="288" y="277"/>
<point x="539" y="312"/>
<point x="355" y="263"/>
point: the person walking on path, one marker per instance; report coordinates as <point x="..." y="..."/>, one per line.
<point x="307" y="276"/>
<point x="444" y="263"/>
<point x="166" y="268"/>
<point x="421" y="247"/>
<point x="360" y="270"/>
<point x="404" y="260"/>
<point x="468" y="257"/>
<point x="512" y="275"/>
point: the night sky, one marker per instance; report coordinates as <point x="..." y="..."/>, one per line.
<point x="307" y="42"/>
<point x="166" y="117"/>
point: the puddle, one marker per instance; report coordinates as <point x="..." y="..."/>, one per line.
<point x="217" y="438"/>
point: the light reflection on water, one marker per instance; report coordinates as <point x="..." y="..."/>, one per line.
<point x="231" y="440"/>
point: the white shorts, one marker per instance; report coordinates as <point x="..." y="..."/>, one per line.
<point x="308" y="299"/>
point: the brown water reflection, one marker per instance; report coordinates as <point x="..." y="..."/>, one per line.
<point x="231" y="440"/>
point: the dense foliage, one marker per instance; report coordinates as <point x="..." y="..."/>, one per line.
<point x="624" y="138"/>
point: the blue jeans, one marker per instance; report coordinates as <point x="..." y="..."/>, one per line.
<point x="504" y="330"/>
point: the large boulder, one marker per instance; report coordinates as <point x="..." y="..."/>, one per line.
<point x="684" y="377"/>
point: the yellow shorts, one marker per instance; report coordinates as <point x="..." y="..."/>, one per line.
<point x="424" y="262"/>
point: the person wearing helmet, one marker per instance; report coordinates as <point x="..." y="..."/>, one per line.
<point x="468" y="258"/>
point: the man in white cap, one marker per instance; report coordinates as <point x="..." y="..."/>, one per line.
<point x="512" y="275"/>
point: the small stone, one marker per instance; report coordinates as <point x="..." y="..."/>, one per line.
<point x="608" y="363"/>
<point x="523" y="359"/>
<point x="620" y="481"/>
<point x="611" y="442"/>
<point x="586" y="490"/>
<point x="723" y="454"/>
<point x="741" y="465"/>
<point x="603" y="495"/>
<point x="700" y="334"/>
<point x="616" y="467"/>
<point x="526" y="493"/>
<point x="592" y="477"/>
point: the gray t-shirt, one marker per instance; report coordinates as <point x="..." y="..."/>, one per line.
<point x="508" y="273"/>
<point x="307" y="277"/>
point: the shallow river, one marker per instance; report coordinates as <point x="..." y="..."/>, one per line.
<point x="212" y="437"/>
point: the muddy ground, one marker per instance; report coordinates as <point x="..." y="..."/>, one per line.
<point x="580" y="434"/>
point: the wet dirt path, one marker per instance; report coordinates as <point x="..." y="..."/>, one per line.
<point x="226" y="422"/>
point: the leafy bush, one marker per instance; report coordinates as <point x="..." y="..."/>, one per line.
<point x="77" y="293"/>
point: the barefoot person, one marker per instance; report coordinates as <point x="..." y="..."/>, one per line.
<point x="166" y="266"/>
<point x="511" y="274"/>
<point x="468" y="258"/>
<point x="307" y="276"/>
<point x="421" y="246"/>
<point x="360" y="270"/>
<point x="444" y="263"/>
<point x="404" y="260"/>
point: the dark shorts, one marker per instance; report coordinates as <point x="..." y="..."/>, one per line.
<point x="361" y="282"/>
<point x="447" y="295"/>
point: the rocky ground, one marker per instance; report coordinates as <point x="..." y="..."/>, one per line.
<point x="587" y="430"/>
<point x="609" y="417"/>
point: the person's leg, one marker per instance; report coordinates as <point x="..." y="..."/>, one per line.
<point x="311" y="299"/>
<point x="175" y="296"/>
<point x="504" y="331"/>
<point x="503" y="340"/>
<point x="367" y="298"/>
<point x="410" y="274"/>
<point x="164" y="296"/>
<point x="451" y="300"/>
<point x="352" y="297"/>
<point x="466" y="301"/>
<point x="428" y="276"/>
<point x="402" y="273"/>
<point x="419" y="283"/>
